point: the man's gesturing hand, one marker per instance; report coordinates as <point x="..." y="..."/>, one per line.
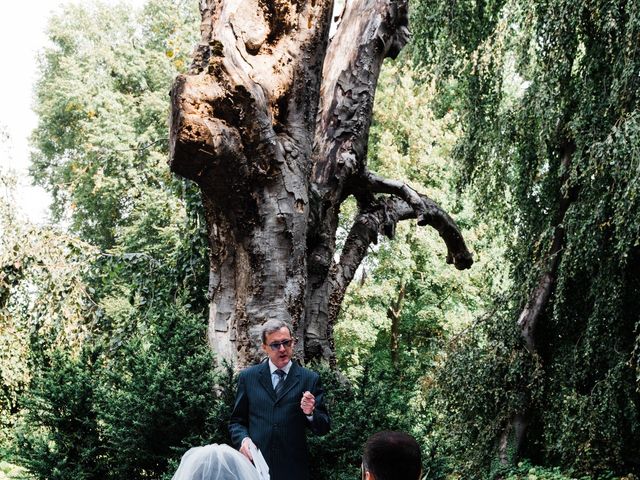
<point x="308" y="403"/>
<point x="244" y="448"/>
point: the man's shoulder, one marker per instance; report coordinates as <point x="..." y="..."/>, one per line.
<point x="252" y="370"/>
<point x="305" y="371"/>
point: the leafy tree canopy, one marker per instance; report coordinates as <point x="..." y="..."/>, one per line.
<point x="547" y="93"/>
<point x="100" y="147"/>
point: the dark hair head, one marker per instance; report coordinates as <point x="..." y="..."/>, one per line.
<point x="392" y="456"/>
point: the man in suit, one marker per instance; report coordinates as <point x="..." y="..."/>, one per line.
<point x="276" y="402"/>
<point x="391" y="456"/>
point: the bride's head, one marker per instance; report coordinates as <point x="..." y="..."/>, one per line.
<point x="215" y="462"/>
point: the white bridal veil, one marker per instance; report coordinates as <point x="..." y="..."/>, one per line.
<point x="215" y="462"/>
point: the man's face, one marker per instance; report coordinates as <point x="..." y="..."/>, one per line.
<point x="282" y="354"/>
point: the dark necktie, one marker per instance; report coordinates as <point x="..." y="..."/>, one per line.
<point x="280" y="385"/>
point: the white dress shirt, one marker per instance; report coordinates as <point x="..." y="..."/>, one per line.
<point x="274" y="376"/>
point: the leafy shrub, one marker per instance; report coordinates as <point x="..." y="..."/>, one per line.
<point x="526" y="471"/>
<point x="128" y="413"/>
<point x="379" y="399"/>
<point x="155" y="395"/>
<point x="58" y="436"/>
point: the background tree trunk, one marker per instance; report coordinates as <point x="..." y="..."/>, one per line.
<point x="272" y="123"/>
<point x="513" y="436"/>
<point x="394" y="313"/>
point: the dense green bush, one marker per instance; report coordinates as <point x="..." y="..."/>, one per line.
<point x="526" y="471"/>
<point x="480" y="378"/>
<point x="132" y="413"/>
<point x="381" y="398"/>
<point x="58" y="435"/>
<point x="155" y="394"/>
<point x="126" y="413"/>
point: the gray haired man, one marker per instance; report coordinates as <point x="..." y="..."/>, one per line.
<point x="276" y="402"/>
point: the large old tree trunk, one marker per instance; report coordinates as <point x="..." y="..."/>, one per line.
<point x="272" y="123"/>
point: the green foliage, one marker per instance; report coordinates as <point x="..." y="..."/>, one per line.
<point x="101" y="141"/>
<point x="127" y="413"/>
<point x="393" y="381"/>
<point x="377" y="400"/>
<point x="526" y="471"/>
<point x="481" y="377"/>
<point x="59" y="436"/>
<point x="156" y="393"/>
<point x="547" y="94"/>
<point x="43" y="300"/>
<point x="408" y="143"/>
<point x="109" y="367"/>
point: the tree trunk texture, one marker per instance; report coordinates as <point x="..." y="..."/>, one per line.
<point x="272" y="123"/>
<point x="394" y="312"/>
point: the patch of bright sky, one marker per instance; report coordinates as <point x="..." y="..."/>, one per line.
<point x="22" y="35"/>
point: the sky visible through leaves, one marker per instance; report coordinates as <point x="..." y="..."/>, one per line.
<point x="23" y="35"/>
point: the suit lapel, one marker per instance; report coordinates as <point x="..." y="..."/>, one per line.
<point x="265" y="381"/>
<point x="291" y="381"/>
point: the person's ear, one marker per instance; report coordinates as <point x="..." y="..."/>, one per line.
<point x="364" y="474"/>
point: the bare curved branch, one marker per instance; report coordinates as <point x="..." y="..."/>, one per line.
<point x="382" y="218"/>
<point x="395" y="187"/>
<point x="427" y="212"/>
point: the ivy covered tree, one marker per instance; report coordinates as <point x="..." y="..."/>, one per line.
<point x="547" y="94"/>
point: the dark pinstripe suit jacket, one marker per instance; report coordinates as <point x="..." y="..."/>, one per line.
<point x="277" y="425"/>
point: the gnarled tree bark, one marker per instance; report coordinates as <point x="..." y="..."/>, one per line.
<point x="272" y="123"/>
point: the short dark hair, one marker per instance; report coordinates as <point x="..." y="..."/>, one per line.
<point x="272" y="326"/>
<point x="392" y="456"/>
